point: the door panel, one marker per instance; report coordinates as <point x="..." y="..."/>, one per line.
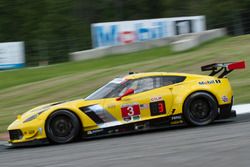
<point x="141" y="106"/>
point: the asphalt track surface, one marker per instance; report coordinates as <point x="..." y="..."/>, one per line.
<point x="223" y="144"/>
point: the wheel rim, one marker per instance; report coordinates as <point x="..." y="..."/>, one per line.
<point x="200" y="110"/>
<point x="61" y="126"/>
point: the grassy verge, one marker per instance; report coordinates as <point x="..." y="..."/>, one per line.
<point x="23" y="89"/>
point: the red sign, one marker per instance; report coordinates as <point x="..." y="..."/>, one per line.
<point x="129" y="111"/>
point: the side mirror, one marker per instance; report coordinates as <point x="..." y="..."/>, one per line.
<point x="128" y="92"/>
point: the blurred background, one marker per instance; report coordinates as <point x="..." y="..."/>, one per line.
<point x="52" y="29"/>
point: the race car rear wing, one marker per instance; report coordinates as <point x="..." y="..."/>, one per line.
<point x="224" y="68"/>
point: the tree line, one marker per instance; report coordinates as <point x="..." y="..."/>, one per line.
<point x="53" y="28"/>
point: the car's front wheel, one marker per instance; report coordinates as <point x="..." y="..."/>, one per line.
<point x="62" y="126"/>
<point x="200" y="109"/>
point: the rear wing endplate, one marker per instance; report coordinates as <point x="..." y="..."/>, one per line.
<point x="224" y="68"/>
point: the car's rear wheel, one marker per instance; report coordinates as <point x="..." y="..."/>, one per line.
<point x="62" y="126"/>
<point x="200" y="109"/>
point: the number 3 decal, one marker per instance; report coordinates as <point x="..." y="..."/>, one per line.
<point x="161" y="108"/>
<point x="130" y="111"/>
<point x="157" y="108"/>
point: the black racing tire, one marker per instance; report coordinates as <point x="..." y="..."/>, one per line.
<point x="62" y="126"/>
<point x="200" y="108"/>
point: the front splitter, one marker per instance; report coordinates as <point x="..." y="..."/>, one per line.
<point x="29" y="143"/>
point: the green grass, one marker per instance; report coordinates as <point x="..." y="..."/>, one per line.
<point x="25" y="88"/>
<point x="27" y="75"/>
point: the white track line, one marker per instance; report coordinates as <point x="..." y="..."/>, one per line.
<point x="242" y="108"/>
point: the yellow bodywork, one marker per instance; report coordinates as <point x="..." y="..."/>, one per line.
<point x="174" y="96"/>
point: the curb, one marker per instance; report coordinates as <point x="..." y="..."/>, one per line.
<point x="3" y="142"/>
<point x="242" y="108"/>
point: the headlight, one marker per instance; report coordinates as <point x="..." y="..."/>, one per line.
<point x="31" y="118"/>
<point x="37" y="113"/>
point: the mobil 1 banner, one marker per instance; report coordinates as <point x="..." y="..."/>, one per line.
<point x="12" y="55"/>
<point x="127" y="32"/>
<point x="183" y="27"/>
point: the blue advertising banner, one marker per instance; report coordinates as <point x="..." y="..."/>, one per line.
<point x="126" y="32"/>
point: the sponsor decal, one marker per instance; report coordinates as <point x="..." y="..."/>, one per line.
<point x="130" y="112"/>
<point x="127" y="119"/>
<point x="157" y="98"/>
<point x="135" y="118"/>
<point x="176" y="119"/>
<point x="144" y="106"/>
<point x="224" y="98"/>
<point x="209" y="82"/>
<point x="217" y="81"/>
<point x="176" y="122"/>
<point x="91" y="132"/>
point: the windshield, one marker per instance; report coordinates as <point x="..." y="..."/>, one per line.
<point x="108" y="90"/>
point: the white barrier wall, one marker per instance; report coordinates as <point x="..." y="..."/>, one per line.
<point x="127" y="32"/>
<point x="12" y="55"/>
<point x="194" y="40"/>
<point x="177" y="43"/>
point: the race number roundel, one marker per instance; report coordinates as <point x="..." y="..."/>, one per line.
<point x="157" y="108"/>
<point x="132" y="110"/>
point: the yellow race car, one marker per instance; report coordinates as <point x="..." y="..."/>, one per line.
<point x="136" y="102"/>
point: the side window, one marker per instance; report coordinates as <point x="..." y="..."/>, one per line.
<point x="121" y="89"/>
<point x="157" y="82"/>
<point x="141" y="85"/>
<point x="149" y="83"/>
<point x="169" y="80"/>
<point x="145" y="84"/>
<point x="133" y="84"/>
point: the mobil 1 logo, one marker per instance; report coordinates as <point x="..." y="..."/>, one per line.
<point x="183" y="27"/>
